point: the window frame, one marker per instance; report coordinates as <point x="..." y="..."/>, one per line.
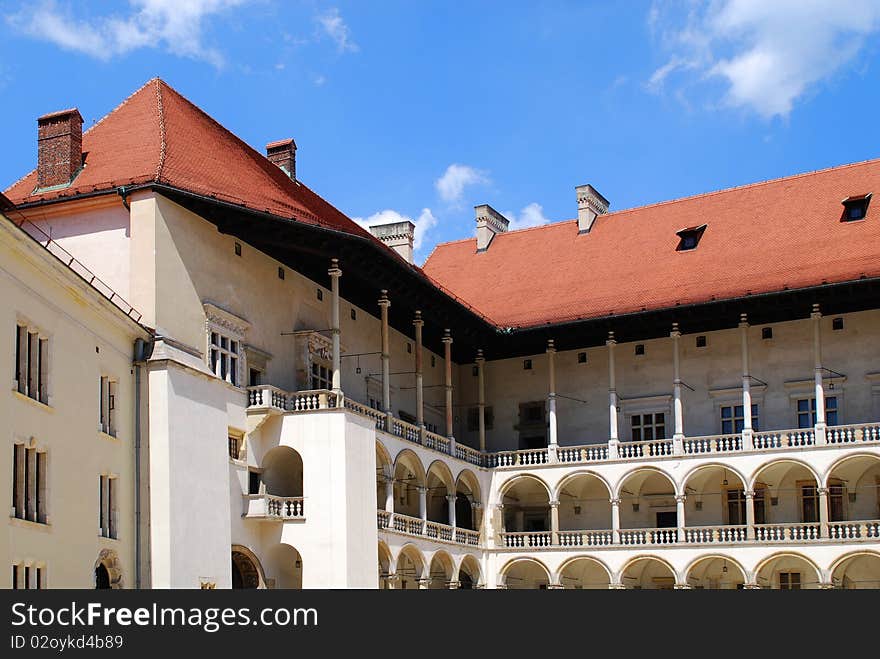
<point x="31" y="367"/>
<point x="226" y="362"/>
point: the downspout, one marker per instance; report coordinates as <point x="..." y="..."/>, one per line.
<point x="142" y="351"/>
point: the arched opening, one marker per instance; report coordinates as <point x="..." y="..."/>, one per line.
<point x="284" y="567"/>
<point x="584" y="503"/>
<point x="409" y="477"/>
<point x="282" y="472"/>
<point x="102" y="577"/>
<point x="857" y="571"/>
<point x="108" y="571"/>
<point x="384" y="567"/>
<point x="787" y="572"/>
<point x="440" y="486"/>
<point x="584" y="574"/>
<point x="384" y="471"/>
<point x="526" y="503"/>
<point x="467" y="493"/>
<point x="854" y="489"/>
<point x="647" y="501"/>
<point x="245" y="571"/>
<point x="716" y="573"/>
<point x="648" y="573"/>
<point x="715" y="497"/>
<point x="525" y="574"/>
<point x="469" y="573"/>
<point x="440" y="571"/>
<point x="790" y="497"/>
<point x="410" y="568"/>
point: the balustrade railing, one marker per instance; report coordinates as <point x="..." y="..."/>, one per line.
<point x="377" y="417"/>
<point x="585" y="538"/>
<point x="645" y="449"/>
<point x="437" y="442"/>
<point x="594" y="453"/>
<point x="786" y="532"/>
<point x="855" y="530"/>
<point x="862" y="432"/>
<point x="407" y="431"/>
<point x="467" y="537"/>
<point x="269" y="397"/>
<point x="383" y="519"/>
<point x="425" y="528"/>
<point x="648" y="536"/>
<point x="519" y="458"/>
<point x="712" y="444"/>
<point x="715" y="534"/>
<point x="527" y="540"/>
<point x="470" y="455"/>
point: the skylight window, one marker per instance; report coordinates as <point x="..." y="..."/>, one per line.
<point x="855" y="208"/>
<point x="690" y="238"/>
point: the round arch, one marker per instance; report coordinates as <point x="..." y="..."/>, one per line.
<point x="282" y="472"/>
<point x="440" y="485"/>
<point x="469" y="574"/>
<point x="584" y="573"/>
<point x="440" y="570"/>
<point x="409" y="567"/>
<point x="519" y="478"/>
<point x="656" y="573"/>
<point x="856" y="570"/>
<point x="525" y="574"/>
<point x="468" y="498"/>
<point x="581" y="473"/>
<point x="715" y="573"/>
<point x="247" y="571"/>
<point x="643" y="470"/>
<point x="525" y="503"/>
<point x="584" y="502"/>
<point x="753" y="479"/>
<point x="285" y="564"/>
<point x="710" y="465"/>
<point x="107" y="570"/>
<point x="385" y="562"/>
<point x="768" y="571"/>
<point x="409" y="478"/>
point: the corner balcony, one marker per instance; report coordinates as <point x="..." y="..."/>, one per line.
<point x="423" y="528"/>
<point x="271" y="508"/>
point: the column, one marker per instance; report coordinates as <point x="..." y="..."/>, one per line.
<point x="554" y="523"/>
<point x="389" y="494"/>
<point x="747" y="440"/>
<point x="823" y="512"/>
<point x="384" y="303"/>
<point x="679" y="514"/>
<point x="612" y="399"/>
<point x="450" y="498"/>
<point x="424" y="583"/>
<point x="336" y="382"/>
<point x="615" y="520"/>
<point x="678" y="417"/>
<point x="418" y="323"/>
<point x="423" y="505"/>
<point x="750" y="514"/>
<point x="551" y="400"/>
<point x="447" y="356"/>
<point x="817" y="359"/>
<point x="481" y="398"/>
<point x="454" y="585"/>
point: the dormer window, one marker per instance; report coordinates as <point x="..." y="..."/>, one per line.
<point x="690" y="238"/>
<point x="855" y="208"/>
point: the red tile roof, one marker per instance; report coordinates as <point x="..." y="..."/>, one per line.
<point x="156" y="135"/>
<point x="760" y="238"/>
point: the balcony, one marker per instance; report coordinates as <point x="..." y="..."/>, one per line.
<point x="413" y="526"/>
<point x="273" y="508"/>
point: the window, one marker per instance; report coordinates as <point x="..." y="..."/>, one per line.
<point x="646" y="427"/>
<point x="27" y="577"/>
<point x="855" y="208"/>
<point x="732" y="418"/>
<point x="701" y="341"/>
<point x="255" y="377"/>
<point x="766" y="333"/>
<point x="473" y="418"/>
<point x="224" y="355"/>
<point x="31" y="363"/>
<point x="280" y="272"/>
<point x="409" y="348"/>
<point x="809" y="496"/>
<point x="837" y="324"/>
<point x="29" y="483"/>
<point x="789" y="581"/>
<point x="806" y="412"/>
<point x="689" y="238"/>
<point x="433" y="361"/>
<point x="237" y="249"/>
<point x="354" y="315"/>
<point x="236" y="443"/>
<point x="107" y="491"/>
<point x="527" y="364"/>
<point x="640" y="349"/>
<point x="582" y="358"/>
<point x="107" y="406"/>
<point x="736" y="506"/>
<point x="322" y="376"/>
<point x="837" y="500"/>
<point x="320" y="294"/>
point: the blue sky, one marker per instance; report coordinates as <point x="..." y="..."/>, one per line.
<point x="425" y="109"/>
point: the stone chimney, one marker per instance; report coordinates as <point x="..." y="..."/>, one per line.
<point x="489" y="223"/>
<point x="283" y="154"/>
<point x="59" y="147"/>
<point x="398" y="236"/>
<point x="590" y="205"/>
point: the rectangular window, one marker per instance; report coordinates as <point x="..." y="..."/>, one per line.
<point x="789" y="581"/>
<point x="38" y="578"/>
<point x="107" y="406"/>
<point x="107" y="489"/>
<point x="14" y="576"/>
<point x="31" y="363"/>
<point x="837" y="500"/>
<point x="223" y="357"/>
<point x="29" y="484"/>
<point x="473" y="419"/>
<point x="235" y="443"/>
<point x="806" y="412"/>
<point x="647" y="427"/>
<point x="732" y="418"/>
<point x="322" y="376"/>
<point x="736" y="506"/>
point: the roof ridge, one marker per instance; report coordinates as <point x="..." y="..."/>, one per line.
<point x="162" y="142"/>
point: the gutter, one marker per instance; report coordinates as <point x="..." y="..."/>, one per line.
<point x="142" y="351"/>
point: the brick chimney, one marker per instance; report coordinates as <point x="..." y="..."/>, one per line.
<point x="590" y="205"/>
<point x="489" y="223"/>
<point x="398" y="236"/>
<point x="59" y="147"/>
<point x="283" y="154"/>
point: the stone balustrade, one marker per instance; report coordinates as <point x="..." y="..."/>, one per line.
<point x="406" y="525"/>
<point x="272" y="507"/>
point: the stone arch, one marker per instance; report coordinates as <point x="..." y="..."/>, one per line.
<point x="852" y="483"/>
<point x="440" y="485"/>
<point x="585" y="578"/>
<point x="655" y="578"/>
<point x="409" y="477"/>
<point x="107" y="570"/>
<point x="282" y="472"/>
<point x="714" y="575"/>
<point x="717" y="465"/>
<point x="775" y="560"/>
<point x="869" y="576"/>
<point x="409" y="567"/>
<point x="714" y="496"/>
<point x="440" y="570"/>
<point x="647" y="499"/>
<point x="285" y="565"/>
<point x="512" y="482"/>
<point x="579" y="473"/>
<point x="247" y="571"/>
<point x="643" y="470"/>
<point x="384" y="470"/>
<point x="525" y="573"/>
<point x="386" y="562"/>
<point x="753" y="479"/>
<point x="468" y="500"/>
<point x="469" y="575"/>
<point x="525" y="505"/>
<point x="584" y="501"/>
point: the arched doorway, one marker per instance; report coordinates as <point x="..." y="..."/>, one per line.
<point x="246" y="570"/>
<point x="102" y="577"/>
<point x="107" y="570"/>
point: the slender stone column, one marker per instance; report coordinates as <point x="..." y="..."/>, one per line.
<point x="336" y="382"/>
<point x="679" y="515"/>
<point x="615" y="520"/>
<point x="612" y="399"/>
<point x="423" y="503"/>
<point x="447" y="356"/>
<point x="747" y="434"/>
<point x="418" y="323"/>
<point x="677" y="415"/>
<point x="384" y="303"/>
<point x="554" y="523"/>
<point x="454" y="585"/>
<point x="750" y="514"/>
<point x="823" y="512"/>
<point x="551" y="400"/>
<point x="424" y="583"/>
<point x="450" y="498"/>
<point x="389" y="494"/>
<point x="817" y="359"/>
<point x="481" y="398"/>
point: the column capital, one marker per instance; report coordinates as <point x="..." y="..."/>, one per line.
<point x="749" y="494"/>
<point x="450" y="497"/>
<point x="447" y="336"/>
<point x="680" y="498"/>
<point x="417" y="321"/>
<point x="675" y="333"/>
<point x="822" y="491"/>
<point x="477" y="504"/>
<point x="423" y="583"/>
<point x="614" y="501"/>
<point x="682" y="586"/>
<point x="499" y="506"/>
<point x="453" y="585"/>
<point x="555" y="586"/>
<point x="479" y="359"/>
<point x="817" y="312"/>
<point x="610" y="341"/>
<point x="551" y="346"/>
<point x="743" y="320"/>
<point x="383" y="299"/>
<point x="334" y="270"/>
<point x="421" y="488"/>
<point x="554" y="504"/>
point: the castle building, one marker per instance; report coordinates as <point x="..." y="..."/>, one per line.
<point x="682" y="395"/>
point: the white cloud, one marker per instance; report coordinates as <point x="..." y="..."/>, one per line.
<point x="332" y="25"/>
<point x="455" y="179"/>
<point x="768" y="54"/>
<point x="176" y="25"/>
<point x="530" y="216"/>
<point x="424" y="223"/>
